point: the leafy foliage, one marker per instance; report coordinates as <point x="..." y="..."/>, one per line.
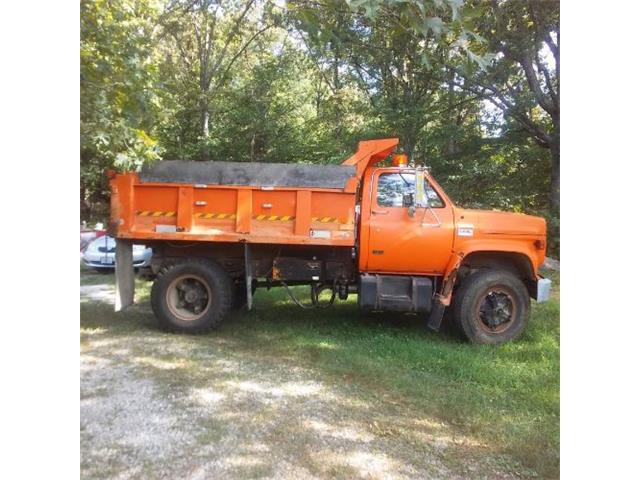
<point x="471" y="88"/>
<point x="118" y="72"/>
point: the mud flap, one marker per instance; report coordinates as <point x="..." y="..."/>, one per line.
<point x="125" y="284"/>
<point x="443" y="299"/>
<point x="435" y="317"/>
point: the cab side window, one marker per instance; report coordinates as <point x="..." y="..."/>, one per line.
<point x="392" y="187"/>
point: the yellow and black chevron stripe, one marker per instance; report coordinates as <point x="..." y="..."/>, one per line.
<point x="232" y="216"/>
<point x="151" y="213"/>
<point x="274" y="218"/>
<point x="325" y="219"/>
<point x="217" y="216"/>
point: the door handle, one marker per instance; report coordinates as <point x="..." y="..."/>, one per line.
<point x="379" y="212"/>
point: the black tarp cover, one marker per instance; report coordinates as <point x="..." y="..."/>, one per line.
<point x="247" y="173"/>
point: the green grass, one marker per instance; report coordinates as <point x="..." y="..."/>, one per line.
<point x="508" y="396"/>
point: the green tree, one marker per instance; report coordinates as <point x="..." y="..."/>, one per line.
<point x="118" y="106"/>
<point x="255" y="80"/>
<point x="207" y="39"/>
<point x="524" y="79"/>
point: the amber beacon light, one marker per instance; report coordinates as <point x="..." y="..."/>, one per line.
<point x="400" y="160"/>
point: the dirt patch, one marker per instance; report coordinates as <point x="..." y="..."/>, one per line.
<point x="97" y="293"/>
<point x="155" y="405"/>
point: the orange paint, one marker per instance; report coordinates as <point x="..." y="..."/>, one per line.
<point x="390" y="240"/>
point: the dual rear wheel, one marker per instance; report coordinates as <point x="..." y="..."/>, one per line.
<point x="192" y="296"/>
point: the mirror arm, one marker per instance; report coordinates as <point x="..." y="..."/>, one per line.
<point x="435" y="215"/>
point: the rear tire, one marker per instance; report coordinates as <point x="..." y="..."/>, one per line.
<point x="193" y="296"/>
<point x="491" y="307"/>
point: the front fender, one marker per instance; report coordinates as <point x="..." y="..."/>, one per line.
<point x="522" y="247"/>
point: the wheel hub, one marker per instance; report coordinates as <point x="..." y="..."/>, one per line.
<point x="188" y="297"/>
<point x="496" y="310"/>
<point x="191" y="296"/>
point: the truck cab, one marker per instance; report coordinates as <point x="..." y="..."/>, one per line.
<point x="405" y="228"/>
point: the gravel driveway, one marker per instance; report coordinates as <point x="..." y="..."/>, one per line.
<point x="156" y="405"/>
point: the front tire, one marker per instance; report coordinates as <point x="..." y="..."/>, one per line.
<point x="192" y="296"/>
<point x="491" y="307"/>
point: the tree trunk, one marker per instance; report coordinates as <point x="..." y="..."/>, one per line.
<point x="408" y="144"/>
<point x="554" y="194"/>
<point x="336" y="90"/>
<point x="252" y="152"/>
<point x="85" y="209"/>
<point x="451" y="147"/>
<point x="554" y="146"/>
<point x="204" y="117"/>
<point x="204" y="120"/>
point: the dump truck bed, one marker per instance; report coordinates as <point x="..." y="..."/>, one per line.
<point x="237" y="202"/>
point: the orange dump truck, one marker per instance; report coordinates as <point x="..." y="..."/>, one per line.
<point x="389" y="234"/>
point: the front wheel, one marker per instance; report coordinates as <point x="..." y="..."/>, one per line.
<point x="192" y="297"/>
<point x="491" y="306"/>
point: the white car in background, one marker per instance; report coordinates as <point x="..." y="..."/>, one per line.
<point x="100" y="254"/>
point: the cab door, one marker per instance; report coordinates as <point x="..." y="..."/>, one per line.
<point x="402" y="243"/>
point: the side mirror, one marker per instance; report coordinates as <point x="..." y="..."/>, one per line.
<point x="408" y="200"/>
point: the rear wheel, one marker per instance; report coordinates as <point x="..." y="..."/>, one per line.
<point x="193" y="296"/>
<point x="491" y="306"/>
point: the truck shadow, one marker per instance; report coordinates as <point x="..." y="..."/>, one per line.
<point x="277" y="307"/>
